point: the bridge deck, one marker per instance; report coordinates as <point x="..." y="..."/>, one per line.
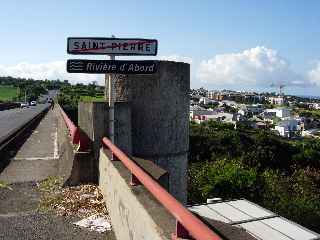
<point x="37" y="158"/>
<point x="33" y="160"/>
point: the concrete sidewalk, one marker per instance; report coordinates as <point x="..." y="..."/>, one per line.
<point x="20" y="218"/>
<point x="37" y="158"/>
<point x="34" y="160"/>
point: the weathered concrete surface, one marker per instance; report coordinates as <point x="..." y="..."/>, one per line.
<point x="94" y="122"/>
<point x="75" y="167"/>
<point x="45" y="150"/>
<point x="37" y="157"/>
<point x="20" y="218"/>
<point x="160" y="120"/>
<point x="135" y="213"/>
<point x="156" y="172"/>
<point x="122" y="126"/>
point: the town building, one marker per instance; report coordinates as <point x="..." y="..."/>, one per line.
<point x="279" y="100"/>
<point x="205" y="100"/>
<point x="289" y="128"/>
<point x="280" y="112"/>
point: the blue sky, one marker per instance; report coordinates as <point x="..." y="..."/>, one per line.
<point x="230" y="44"/>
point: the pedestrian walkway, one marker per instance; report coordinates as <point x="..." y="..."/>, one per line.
<point x="33" y="161"/>
<point x="37" y="158"/>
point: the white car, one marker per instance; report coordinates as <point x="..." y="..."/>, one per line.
<point x="33" y="103"/>
<point x="24" y="105"/>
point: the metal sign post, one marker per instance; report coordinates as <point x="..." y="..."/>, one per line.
<point x="111" y="68"/>
<point x="111" y="103"/>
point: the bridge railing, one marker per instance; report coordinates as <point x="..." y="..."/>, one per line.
<point x="187" y="225"/>
<point x="74" y="133"/>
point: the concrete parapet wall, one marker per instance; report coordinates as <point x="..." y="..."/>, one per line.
<point x="73" y="166"/>
<point x="93" y="118"/>
<point x="135" y="213"/>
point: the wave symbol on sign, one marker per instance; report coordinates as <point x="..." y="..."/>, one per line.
<point x="76" y="65"/>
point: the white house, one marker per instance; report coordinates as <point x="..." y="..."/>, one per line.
<point x="288" y="128"/>
<point x="206" y="100"/>
<point x="314" y="106"/>
<point x="280" y="112"/>
<point x="253" y="109"/>
<point x="279" y="100"/>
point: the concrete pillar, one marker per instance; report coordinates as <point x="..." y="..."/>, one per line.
<point x="93" y="119"/>
<point x="160" y="120"/>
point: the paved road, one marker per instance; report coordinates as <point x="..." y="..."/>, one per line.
<point x="37" y="157"/>
<point x="21" y="219"/>
<point x="33" y="161"/>
<point x="11" y="120"/>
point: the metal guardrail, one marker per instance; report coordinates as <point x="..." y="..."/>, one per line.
<point x="187" y="225"/>
<point x="74" y="133"/>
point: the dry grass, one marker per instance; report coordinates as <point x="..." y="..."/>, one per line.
<point x="82" y="201"/>
<point x="5" y="185"/>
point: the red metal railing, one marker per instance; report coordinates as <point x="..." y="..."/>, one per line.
<point x="74" y="133"/>
<point x="188" y="225"/>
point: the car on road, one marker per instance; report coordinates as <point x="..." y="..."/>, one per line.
<point x="33" y="103"/>
<point x="24" y="105"/>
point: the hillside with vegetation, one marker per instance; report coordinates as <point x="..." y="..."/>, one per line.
<point x="277" y="173"/>
<point x="71" y="95"/>
<point x="21" y="89"/>
<point x="8" y="93"/>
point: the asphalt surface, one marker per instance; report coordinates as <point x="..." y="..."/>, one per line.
<point x="11" y="120"/>
<point x="20" y="218"/>
<point x="33" y="160"/>
<point x="37" y="157"/>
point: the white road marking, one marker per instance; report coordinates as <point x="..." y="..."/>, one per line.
<point x="36" y="158"/>
<point x="55" y="152"/>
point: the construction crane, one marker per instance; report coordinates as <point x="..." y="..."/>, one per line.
<point x="281" y="87"/>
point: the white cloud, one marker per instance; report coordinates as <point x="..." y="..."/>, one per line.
<point x="57" y="70"/>
<point x="255" y="67"/>
<point x="176" y="58"/>
<point x="314" y="74"/>
<point x="50" y="70"/>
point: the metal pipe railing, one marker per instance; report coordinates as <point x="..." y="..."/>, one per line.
<point x="193" y="225"/>
<point x="73" y="129"/>
<point x="75" y="134"/>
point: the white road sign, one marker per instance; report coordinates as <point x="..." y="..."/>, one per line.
<point x="112" y="46"/>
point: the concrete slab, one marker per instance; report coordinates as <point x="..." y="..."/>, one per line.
<point x="37" y="158"/>
<point x="34" y="158"/>
<point x="20" y="218"/>
<point x="42" y="142"/>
